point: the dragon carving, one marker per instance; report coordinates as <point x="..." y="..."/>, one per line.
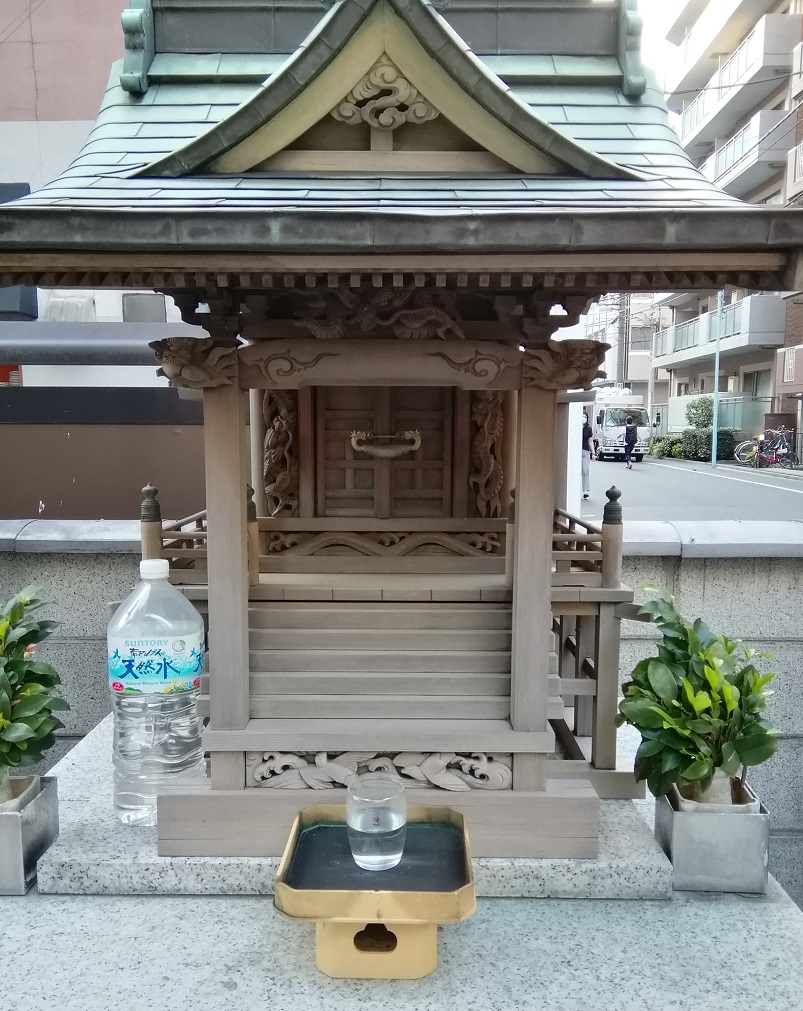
<point x="487" y="474"/>
<point x="564" y="365"/>
<point x="280" y="466"/>
<point x="196" y="364"/>
<point x="409" y="313"/>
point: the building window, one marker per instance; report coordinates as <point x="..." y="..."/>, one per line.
<point x="144" y="308"/>
<point x="683" y="389"/>
<point x="789" y="366"/>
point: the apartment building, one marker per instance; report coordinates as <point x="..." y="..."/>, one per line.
<point x="628" y="322"/>
<point x="735" y="82"/>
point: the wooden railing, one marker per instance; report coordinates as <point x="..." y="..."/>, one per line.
<point x="583" y="554"/>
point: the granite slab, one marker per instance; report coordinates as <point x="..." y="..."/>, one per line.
<point x="137" y="953"/>
<point x="96" y="855"/>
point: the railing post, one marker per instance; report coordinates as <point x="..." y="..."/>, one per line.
<point x="150" y="526"/>
<point x="253" y="538"/>
<point x="612" y="540"/>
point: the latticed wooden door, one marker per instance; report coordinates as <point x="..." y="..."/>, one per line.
<point x="384" y="452"/>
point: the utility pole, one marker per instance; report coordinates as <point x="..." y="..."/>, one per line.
<point x="715" y="430"/>
<point x="623" y="338"/>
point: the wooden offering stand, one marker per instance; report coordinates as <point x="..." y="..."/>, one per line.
<point x="377" y="924"/>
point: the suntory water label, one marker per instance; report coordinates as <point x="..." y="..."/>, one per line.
<point x="158" y="665"/>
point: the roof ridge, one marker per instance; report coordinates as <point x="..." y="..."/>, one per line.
<point x="442" y="44"/>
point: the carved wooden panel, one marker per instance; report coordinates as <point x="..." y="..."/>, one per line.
<point x="321" y="771"/>
<point x="280" y="464"/>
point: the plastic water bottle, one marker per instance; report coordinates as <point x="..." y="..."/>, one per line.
<point x="156" y="656"/>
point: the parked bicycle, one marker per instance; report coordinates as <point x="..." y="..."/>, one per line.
<point x="772" y="448"/>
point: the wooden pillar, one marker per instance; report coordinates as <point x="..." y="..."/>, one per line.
<point x="561" y="454"/>
<point x="509" y="438"/>
<point x="256" y="429"/>
<point x="227" y="556"/>
<point x="603" y="753"/>
<point x="532" y="573"/>
<point x="150" y="525"/>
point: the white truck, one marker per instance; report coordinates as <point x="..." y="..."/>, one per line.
<point x="607" y="417"/>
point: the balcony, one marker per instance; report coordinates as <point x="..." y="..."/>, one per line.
<point x="749" y="76"/>
<point x="754" y="154"/>
<point x="719" y="29"/>
<point x="794" y="173"/>
<point x="736" y="410"/>
<point x="757" y="321"/>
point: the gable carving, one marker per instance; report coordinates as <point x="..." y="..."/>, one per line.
<point x="384" y="99"/>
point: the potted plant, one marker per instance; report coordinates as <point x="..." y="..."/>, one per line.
<point x="28" y="702"/>
<point x="699" y="706"/>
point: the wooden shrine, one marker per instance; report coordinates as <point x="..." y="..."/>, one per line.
<point x="380" y="609"/>
<point x="382" y="213"/>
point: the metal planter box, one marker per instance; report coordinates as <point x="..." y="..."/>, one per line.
<point x="713" y="852"/>
<point x="25" y="835"/>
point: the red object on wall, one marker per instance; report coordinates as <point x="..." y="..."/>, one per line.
<point x="10" y="375"/>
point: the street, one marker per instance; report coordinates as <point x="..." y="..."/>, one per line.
<point x="683" y="490"/>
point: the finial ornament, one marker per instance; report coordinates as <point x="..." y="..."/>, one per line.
<point x="612" y="513"/>
<point x="150" y="512"/>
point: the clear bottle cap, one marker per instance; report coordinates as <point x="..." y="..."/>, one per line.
<point x="154" y="568"/>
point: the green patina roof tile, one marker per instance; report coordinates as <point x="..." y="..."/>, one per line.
<point x="182" y="65"/>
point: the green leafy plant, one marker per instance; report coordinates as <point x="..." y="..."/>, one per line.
<point x="677" y="450"/>
<point x="697" y="443"/>
<point x="699" y="705"/>
<point x="27" y="696"/>
<point x="658" y="448"/>
<point x="700" y="412"/>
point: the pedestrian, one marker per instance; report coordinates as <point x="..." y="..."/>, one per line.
<point x="631" y="438"/>
<point x="588" y="455"/>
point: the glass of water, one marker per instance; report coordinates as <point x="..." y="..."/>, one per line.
<point x="376" y="819"/>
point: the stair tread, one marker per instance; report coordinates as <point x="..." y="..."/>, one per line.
<point x="380" y="735"/>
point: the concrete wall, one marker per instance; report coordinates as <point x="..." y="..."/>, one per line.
<point x="750" y="586"/>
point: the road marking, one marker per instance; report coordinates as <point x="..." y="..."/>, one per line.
<point x="727" y="477"/>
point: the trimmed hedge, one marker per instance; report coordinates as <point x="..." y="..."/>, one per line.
<point x="697" y="443"/>
<point x="694" y="444"/>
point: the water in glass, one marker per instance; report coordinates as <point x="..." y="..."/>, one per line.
<point x="376" y="820"/>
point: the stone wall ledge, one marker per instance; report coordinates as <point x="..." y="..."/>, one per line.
<point x="642" y="538"/>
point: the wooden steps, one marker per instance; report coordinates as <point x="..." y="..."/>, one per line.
<point x="380" y="735"/>
<point x="385" y="639"/>
<point x="321" y="614"/>
<point x="370" y="660"/>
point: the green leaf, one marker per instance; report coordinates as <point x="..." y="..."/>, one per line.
<point x="697" y="770"/>
<point x="731" y="763"/>
<point x="649" y="747"/>
<point x="5" y="704"/>
<point x="28" y="705"/>
<point x="17" y="732"/>
<point x="56" y="703"/>
<point x="701" y="726"/>
<point x="640" y="713"/>
<point x="670" y="759"/>
<point x="756" y="748"/>
<point x="37" y="667"/>
<point x="662" y="680"/>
